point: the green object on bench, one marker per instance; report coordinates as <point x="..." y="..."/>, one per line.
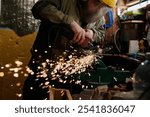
<point x="102" y="75"/>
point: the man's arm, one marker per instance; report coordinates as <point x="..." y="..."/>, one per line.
<point x="98" y="31"/>
<point x="50" y="10"/>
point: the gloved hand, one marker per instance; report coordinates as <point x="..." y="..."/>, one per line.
<point x="79" y="33"/>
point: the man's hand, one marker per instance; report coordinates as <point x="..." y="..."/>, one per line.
<point x="88" y="37"/>
<point x="89" y="34"/>
<point x="79" y="33"/>
<point x="81" y="36"/>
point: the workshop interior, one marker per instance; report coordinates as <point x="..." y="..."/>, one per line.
<point x="117" y="69"/>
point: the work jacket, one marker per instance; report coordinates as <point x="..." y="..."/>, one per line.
<point x="54" y="32"/>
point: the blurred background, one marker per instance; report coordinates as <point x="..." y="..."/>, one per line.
<point x="18" y="30"/>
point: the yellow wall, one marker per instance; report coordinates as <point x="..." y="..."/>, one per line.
<point x="12" y="48"/>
